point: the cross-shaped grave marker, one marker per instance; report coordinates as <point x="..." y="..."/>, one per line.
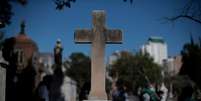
<point x="98" y="36"/>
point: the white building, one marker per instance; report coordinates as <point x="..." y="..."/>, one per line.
<point x="47" y="59"/>
<point x="114" y="57"/>
<point x="156" y="48"/>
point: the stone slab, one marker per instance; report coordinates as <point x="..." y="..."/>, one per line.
<point x="2" y="83"/>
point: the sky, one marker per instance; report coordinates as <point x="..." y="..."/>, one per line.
<point x="138" y="21"/>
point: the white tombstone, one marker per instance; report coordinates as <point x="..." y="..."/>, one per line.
<point x="2" y="83"/>
<point x="2" y="77"/>
<point x="68" y="89"/>
<point x="165" y="92"/>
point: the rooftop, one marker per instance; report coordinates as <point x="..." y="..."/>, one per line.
<point x="156" y="40"/>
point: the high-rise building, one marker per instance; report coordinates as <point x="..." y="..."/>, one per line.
<point x="156" y="48"/>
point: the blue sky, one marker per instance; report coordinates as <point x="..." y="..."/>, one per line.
<point x="139" y="21"/>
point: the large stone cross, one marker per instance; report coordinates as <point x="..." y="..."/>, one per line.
<point x="99" y="35"/>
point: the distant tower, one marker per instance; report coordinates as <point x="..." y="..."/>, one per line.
<point x="156" y="48"/>
<point x="58" y="53"/>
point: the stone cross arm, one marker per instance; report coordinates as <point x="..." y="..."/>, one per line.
<point x="112" y="36"/>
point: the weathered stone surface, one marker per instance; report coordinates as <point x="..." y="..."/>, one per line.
<point x="2" y="83"/>
<point x="3" y="65"/>
<point x="98" y="36"/>
<point x="83" y="36"/>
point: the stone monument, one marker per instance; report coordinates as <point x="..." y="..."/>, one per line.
<point x="3" y="65"/>
<point x="98" y="36"/>
<point x="58" y="76"/>
<point x="2" y="83"/>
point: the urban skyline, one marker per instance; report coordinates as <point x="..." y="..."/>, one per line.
<point x="139" y="21"/>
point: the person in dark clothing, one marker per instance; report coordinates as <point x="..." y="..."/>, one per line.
<point x="43" y="89"/>
<point x="186" y="94"/>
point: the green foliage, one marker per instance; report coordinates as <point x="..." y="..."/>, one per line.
<point x="191" y="58"/>
<point x="60" y="4"/>
<point x="78" y="68"/>
<point x="179" y="82"/>
<point x="136" y="70"/>
<point x="6" y="11"/>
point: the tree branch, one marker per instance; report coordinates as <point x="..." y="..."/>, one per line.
<point x="184" y="16"/>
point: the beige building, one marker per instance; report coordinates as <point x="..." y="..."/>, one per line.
<point x="172" y="65"/>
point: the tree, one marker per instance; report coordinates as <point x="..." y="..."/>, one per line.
<point x="136" y="70"/>
<point x="190" y="11"/>
<point x="78" y="68"/>
<point x="179" y="82"/>
<point x="191" y="57"/>
<point x="6" y="11"/>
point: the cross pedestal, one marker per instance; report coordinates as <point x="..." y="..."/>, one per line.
<point x="98" y="36"/>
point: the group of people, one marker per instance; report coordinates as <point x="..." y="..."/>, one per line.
<point x="148" y="93"/>
<point x="49" y="88"/>
<point x="152" y="93"/>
